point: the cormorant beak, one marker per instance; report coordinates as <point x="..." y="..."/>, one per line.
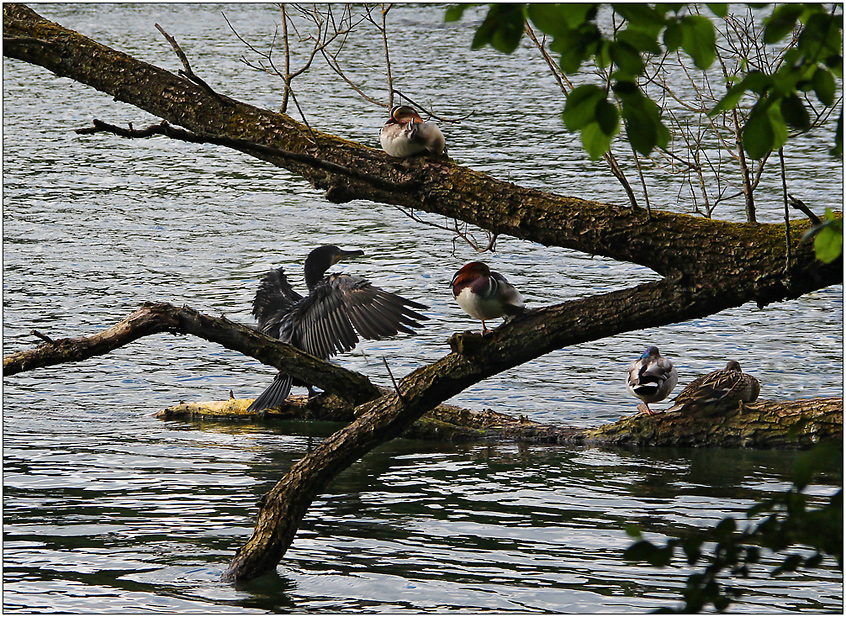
<point x="346" y="255"/>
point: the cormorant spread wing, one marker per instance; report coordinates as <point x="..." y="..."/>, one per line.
<point x="328" y="321"/>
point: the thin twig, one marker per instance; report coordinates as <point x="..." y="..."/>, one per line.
<point x="799" y="205"/>
<point x="43" y="337"/>
<point x="394" y="381"/>
<point x="242" y="144"/>
<point x="187" y="72"/>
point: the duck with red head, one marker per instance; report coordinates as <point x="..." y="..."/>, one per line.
<point x="485" y="295"/>
<point x="405" y="134"/>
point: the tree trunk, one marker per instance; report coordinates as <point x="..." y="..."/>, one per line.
<point x="707" y="265"/>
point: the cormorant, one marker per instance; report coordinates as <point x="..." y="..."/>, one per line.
<point x="324" y="323"/>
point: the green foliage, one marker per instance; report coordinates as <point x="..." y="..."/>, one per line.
<point x="828" y="237"/>
<point x="813" y="64"/>
<point x="787" y="521"/>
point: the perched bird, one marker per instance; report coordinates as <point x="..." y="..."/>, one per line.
<point x="325" y="322"/>
<point x="484" y="294"/>
<point x="405" y="134"/>
<point x="651" y="378"/>
<point x="725" y="388"/>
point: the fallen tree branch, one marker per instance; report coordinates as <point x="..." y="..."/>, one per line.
<point x="763" y="424"/>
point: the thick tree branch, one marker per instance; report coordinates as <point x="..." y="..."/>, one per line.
<point x="155" y="318"/>
<point x="668" y="243"/>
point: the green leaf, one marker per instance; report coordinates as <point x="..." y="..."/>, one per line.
<point x="595" y="142"/>
<point x="754" y="81"/>
<point x="550" y="19"/>
<point x="639" y="551"/>
<point x="758" y="134"/>
<point x="454" y="12"/>
<point x="781" y="22"/>
<point x="673" y="36"/>
<point x="719" y="9"/>
<point x="502" y="28"/>
<point x="626" y="58"/>
<point x="699" y="40"/>
<point x="633" y="531"/>
<point x="828" y="245"/>
<point x="580" y="109"/>
<point x="644" y="128"/>
<point x="556" y="19"/>
<point x="780" y="132"/>
<point x="794" y="112"/>
<point x="725" y="528"/>
<point x="824" y="86"/>
<point x="639" y="14"/>
<point x="639" y="40"/>
<point x="608" y="117"/>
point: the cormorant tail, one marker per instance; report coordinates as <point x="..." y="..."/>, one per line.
<point x="274" y="395"/>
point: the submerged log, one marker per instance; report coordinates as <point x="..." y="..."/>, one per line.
<point x="763" y="424"/>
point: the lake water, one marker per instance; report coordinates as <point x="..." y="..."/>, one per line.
<point x="109" y="510"/>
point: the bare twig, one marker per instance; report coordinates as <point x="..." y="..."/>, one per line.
<point x="799" y="205"/>
<point x="187" y="72"/>
<point x="242" y="144"/>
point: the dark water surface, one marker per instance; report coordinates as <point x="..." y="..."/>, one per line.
<point x="108" y="510"/>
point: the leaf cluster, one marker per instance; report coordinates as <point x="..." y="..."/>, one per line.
<point x="651" y="30"/>
<point x="787" y="522"/>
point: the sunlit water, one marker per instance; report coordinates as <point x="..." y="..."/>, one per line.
<point x="107" y="509"/>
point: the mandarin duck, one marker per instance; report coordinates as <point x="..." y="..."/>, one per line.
<point x="484" y="294"/>
<point x="405" y="133"/>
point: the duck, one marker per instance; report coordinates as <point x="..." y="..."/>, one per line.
<point x="337" y="310"/>
<point x="484" y="294"/>
<point x="725" y="388"/>
<point x="405" y="134"/>
<point x="651" y="378"/>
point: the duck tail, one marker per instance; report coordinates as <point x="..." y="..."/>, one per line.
<point x="274" y="395"/>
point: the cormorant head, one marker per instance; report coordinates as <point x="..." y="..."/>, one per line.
<point x="321" y="259"/>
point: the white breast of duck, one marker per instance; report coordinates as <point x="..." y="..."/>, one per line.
<point x="488" y="297"/>
<point x="406" y="134"/>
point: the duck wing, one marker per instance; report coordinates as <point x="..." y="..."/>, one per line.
<point x="725" y="386"/>
<point x="340" y="308"/>
<point x="274" y="300"/>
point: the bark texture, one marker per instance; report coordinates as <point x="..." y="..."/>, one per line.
<point x="707" y="265"/>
